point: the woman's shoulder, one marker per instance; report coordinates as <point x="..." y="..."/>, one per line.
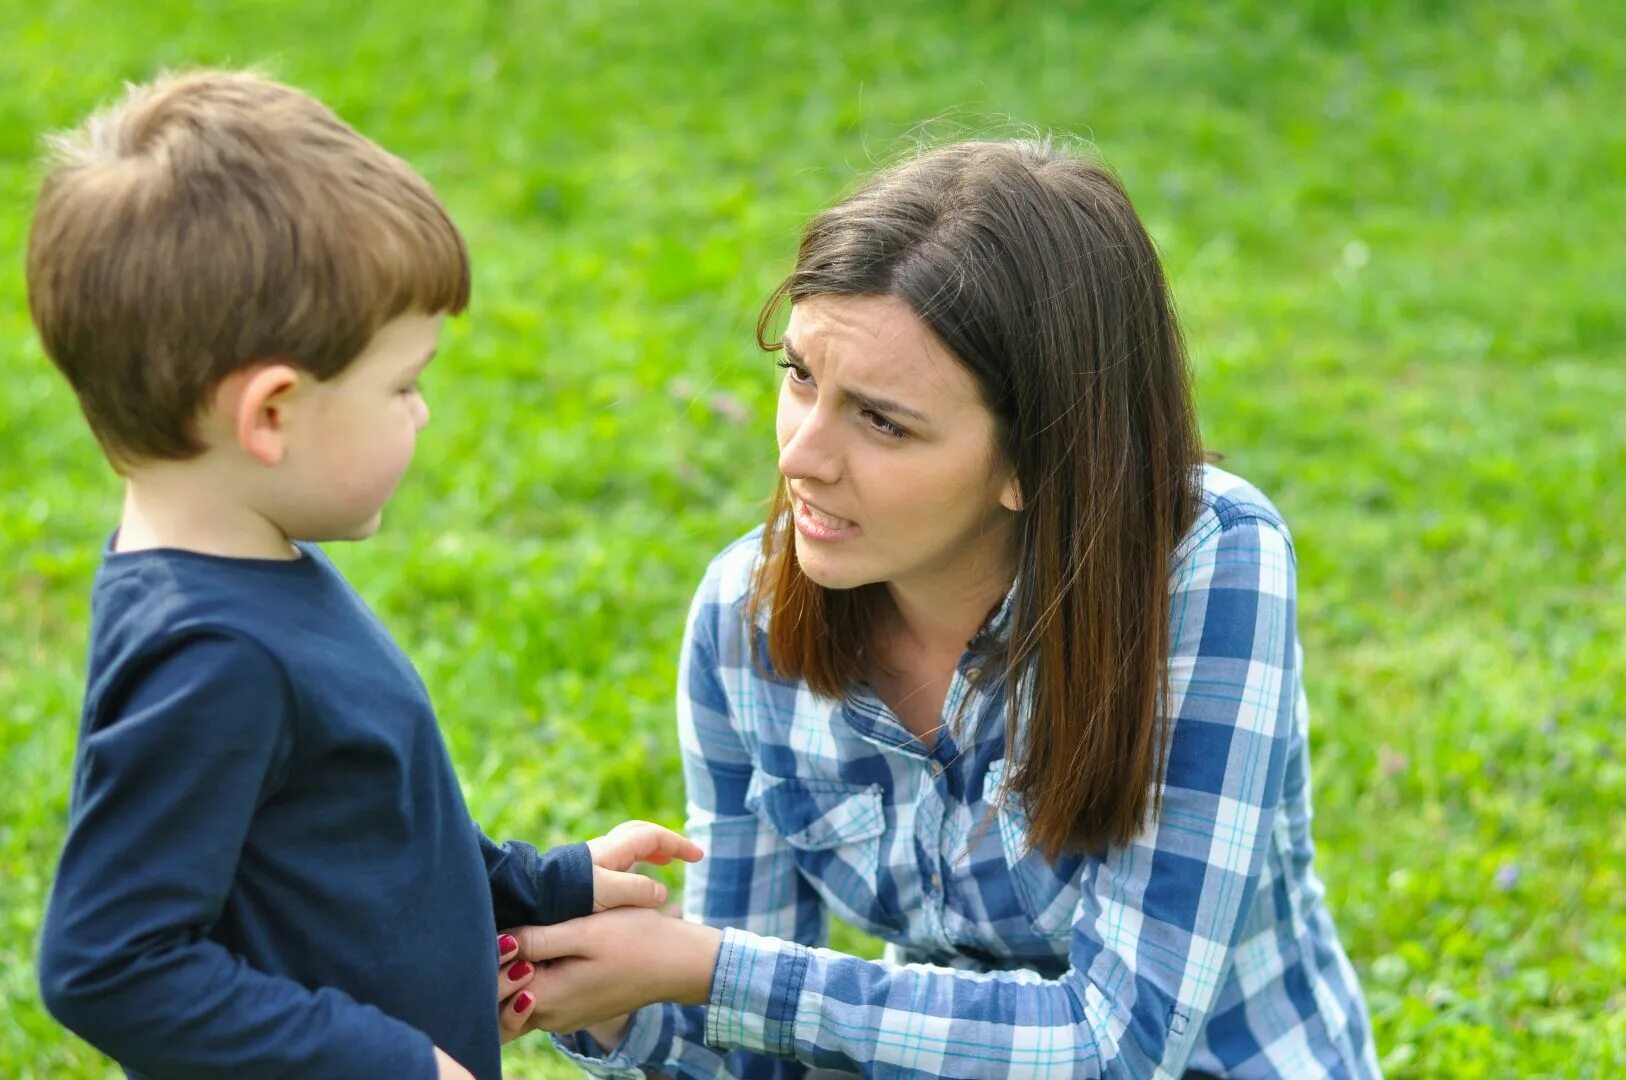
<point x="1227" y="502"/>
<point x="722" y="597"/>
<point x="728" y="576"/>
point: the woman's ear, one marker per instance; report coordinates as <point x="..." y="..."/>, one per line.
<point x="254" y="402"/>
<point x="1010" y="497"/>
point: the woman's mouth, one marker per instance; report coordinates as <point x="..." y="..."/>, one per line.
<point x="815" y="524"/>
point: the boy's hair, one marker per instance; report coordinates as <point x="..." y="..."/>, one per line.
<point x="211" y="219"/>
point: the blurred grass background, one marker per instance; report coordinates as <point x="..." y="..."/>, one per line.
<point x="1395" y="235"/>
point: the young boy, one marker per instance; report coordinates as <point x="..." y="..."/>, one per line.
<point x="269" y="868"/>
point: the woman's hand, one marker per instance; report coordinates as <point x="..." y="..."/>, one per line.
<point x="514" y="1002"/>
<point x="591" y="970"/>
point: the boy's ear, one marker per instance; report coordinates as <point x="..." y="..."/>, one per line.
<point x="254" y="402"/>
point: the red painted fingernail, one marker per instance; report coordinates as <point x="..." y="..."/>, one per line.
<point x="522" y="1001"/>
<point x="506" y="944"/>
<point x="519" y="971"/>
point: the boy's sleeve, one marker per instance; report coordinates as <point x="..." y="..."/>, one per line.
<point x="166" y="783"/>
<point x="538" y="887"/>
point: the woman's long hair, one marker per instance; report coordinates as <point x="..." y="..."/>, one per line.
<point x="1032" y="267"/>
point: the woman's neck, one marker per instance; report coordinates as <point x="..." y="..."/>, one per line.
<point x="935" y="622"/>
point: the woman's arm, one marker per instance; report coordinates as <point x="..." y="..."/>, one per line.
<point x="748" y="878"/>
<point x="1153" y="930"/>
<point x="1154" y="927"/>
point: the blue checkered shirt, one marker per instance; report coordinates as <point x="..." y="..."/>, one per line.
<point x="1204" y="944"/>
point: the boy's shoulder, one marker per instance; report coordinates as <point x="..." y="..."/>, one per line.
<point x="148" y="604"/>
<point x="295" y="631"/>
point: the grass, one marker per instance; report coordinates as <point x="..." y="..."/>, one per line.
<point x="1393" y="231"/>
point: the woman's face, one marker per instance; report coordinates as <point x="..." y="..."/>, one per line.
<point x="888" y="452"/>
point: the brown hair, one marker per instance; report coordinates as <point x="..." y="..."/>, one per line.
<point x="1033" y="269"/>
<point x="212" y="219"/>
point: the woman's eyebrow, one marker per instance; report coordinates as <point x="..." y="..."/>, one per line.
<point x="875" y="404"/>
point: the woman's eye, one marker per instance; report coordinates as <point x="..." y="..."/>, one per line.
<point x="797" y="373"/>
<point x="884" y="426"/>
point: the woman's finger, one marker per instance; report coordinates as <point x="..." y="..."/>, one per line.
<point x="511" y="978"/>
<point x="514" y="1013"/>
<point x="507" y="947"/>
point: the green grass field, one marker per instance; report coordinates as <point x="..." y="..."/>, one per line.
<point x="1396" y="240"/>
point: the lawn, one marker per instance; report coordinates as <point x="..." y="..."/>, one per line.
<point x="1395" y="234"/>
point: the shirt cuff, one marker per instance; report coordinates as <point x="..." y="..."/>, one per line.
<point x="754" y="994"/>
<point x="571" y="878"/>
<point x="637" y="1046"/>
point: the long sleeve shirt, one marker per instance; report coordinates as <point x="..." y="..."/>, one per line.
<point x="1204" y="944"/>
<point x="269" y="869"/>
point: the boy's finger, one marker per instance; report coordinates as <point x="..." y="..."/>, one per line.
<point x="613" y="888"/>
<point x="648" y="842"/>
<point x="640" y="841"/>
<point x="665" y="842"/>
<point x="537" y="943"/>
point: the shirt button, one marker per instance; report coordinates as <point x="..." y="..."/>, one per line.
<point x="937" y="883"/>
<point x="972" y="674"/>
<point x="937" y="769"/>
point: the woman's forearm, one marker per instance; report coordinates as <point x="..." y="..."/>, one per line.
<point x="606" y="965"/>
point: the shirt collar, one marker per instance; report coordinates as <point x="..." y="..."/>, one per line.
<point x="996" y="627"/>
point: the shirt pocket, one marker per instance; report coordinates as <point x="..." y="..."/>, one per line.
<point x="1049" y="891"/>
<point x="834" y="832"/>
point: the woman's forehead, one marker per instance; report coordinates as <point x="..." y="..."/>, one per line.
<point x="878" y="341"/>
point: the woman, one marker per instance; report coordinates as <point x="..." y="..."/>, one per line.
<point x="1010" y="679"/>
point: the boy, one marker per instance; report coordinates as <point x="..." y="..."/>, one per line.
<point x="269" y="868"/>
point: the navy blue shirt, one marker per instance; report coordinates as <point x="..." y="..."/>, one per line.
<point x="269" y="868"/>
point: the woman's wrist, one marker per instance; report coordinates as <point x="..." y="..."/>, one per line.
<point x="688" y="962"/>
<point x="695" y="949"/>
<point x="608" y="1033"/>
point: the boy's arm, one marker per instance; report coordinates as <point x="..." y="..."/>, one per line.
<point x="165" y="786"/>
<point x="540" y="887"/>
<point x="573" y="880"/>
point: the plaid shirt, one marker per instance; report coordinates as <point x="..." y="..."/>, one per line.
<point x="1203" y="944"/>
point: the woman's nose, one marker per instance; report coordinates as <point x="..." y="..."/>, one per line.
<point x="807" y="450"/>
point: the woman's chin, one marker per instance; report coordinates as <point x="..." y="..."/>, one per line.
<point x="825" y="569"/>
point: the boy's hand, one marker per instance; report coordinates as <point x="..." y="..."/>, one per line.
<point x="631" y="842"/>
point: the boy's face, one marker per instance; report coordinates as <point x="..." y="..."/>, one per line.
<point x="356" y="434"/>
